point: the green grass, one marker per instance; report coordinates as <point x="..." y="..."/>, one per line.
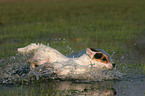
<point x="101" y="24"/>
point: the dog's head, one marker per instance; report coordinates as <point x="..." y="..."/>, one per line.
<point x="100" y="59"/>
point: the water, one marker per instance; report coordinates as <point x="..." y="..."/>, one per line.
<point x="133" y="87"/>
<point x="127" y="80"/>
<point x="17" y="69"/>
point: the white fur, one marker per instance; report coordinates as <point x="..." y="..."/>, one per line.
<point x="45" y="54"/>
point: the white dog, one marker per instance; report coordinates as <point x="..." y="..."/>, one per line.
<point x="45" y="54"/>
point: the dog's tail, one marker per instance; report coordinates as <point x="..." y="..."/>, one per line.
<point x="28" y="49"/>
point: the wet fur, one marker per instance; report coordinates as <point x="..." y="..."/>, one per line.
<point x="45" y="54"/>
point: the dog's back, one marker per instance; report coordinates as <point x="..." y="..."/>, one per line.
<point x="42" y="54"/>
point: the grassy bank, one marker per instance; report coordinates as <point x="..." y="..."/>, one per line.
<point x="105" y="24"/>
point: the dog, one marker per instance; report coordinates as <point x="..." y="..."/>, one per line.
<point x="43" y="54"/>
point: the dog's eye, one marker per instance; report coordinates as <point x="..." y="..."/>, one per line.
<point x="98" y="55"/>
<point x="104" y="59"/>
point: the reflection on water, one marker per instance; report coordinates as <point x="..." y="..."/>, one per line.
<point x="69" y="88"/>
<point x="66" y="88"/>
<point x="134" y="87"/>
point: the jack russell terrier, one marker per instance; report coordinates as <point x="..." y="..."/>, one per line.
<point x="43" y="54"/>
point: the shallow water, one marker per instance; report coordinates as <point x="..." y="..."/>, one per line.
<point x="134" y="87"/>
<point x="127" y="79"/>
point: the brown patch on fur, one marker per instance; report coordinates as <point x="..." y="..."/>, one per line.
<point x="36" y="64"/>
<point x="33" y="66"/>
<point x="103" y="58"/>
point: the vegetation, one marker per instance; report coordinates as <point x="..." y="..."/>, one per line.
<point x="105" y="24"/>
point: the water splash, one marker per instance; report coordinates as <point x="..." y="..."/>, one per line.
<point x="112" y="54"/>
<point x="17" y="69"/>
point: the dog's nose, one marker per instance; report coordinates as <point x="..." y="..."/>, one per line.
<point x="113" y="64"/>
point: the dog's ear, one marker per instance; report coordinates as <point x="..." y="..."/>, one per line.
<point x="90" y="53"/>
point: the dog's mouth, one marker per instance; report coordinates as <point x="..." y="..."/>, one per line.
<point x="109" y="66"/>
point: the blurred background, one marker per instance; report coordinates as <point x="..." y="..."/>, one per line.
<point x="73" y="25"/>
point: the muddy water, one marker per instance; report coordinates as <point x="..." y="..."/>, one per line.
<point x="129" y="78"/>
